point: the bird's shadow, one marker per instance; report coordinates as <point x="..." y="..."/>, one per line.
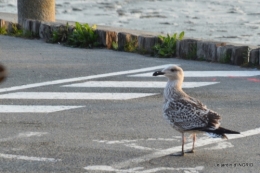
<point x="180" y="154"/>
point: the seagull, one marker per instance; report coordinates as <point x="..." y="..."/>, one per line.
<point x="185" y="113"/>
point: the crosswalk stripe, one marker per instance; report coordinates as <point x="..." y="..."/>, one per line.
<point x="74" y="95"/>
<point x="133" y="84"/>
<point x="208" y="74"/>
<point x="62" y="81"/>
<point x="34" y="108"/>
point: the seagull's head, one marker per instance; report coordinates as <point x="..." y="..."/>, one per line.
<point x="172" y="72"/>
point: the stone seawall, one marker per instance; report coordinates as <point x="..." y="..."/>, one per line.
<point x="188" y="48"/>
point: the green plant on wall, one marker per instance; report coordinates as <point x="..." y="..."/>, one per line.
<point x="60" y="34"/>
<point x="16" y="31"/>
<point x="131" y="45"/>
<point x="167" y="47"/>
<point x="225" y="58"/>
<point x="114" y="45"/>
<point x="83" y="36"/>
<point x="28" y="34"/>
<point x="3" y="31"/>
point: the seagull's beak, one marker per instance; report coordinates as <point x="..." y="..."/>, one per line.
<point x="157" y="73"/>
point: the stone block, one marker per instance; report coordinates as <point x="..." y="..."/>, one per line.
<point x="254" y="56"/>
<point x="27" y="25"/>
<point x="126" y="38"/>
<point x="207" y="50"/>
<point x="240" y="55"/>
<point x="259" y="57"/>
<point x="187" y="48"/>
<point x="224" y="54"/>
<point x="106" y="38"/>
<point x="36" y="27"/>
<point x="45" y="31"/>
<point x="147" y="42"/>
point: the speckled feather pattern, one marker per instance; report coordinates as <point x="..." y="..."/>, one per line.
<point x="185" y="113"/>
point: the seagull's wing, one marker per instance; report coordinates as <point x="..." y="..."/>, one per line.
<point x="190" y="114"/>
<point x="195" y="101"/>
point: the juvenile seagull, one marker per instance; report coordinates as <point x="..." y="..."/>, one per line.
<point x="185" y="113"/>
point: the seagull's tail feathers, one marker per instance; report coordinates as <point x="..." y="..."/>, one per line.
<point x="220" y="132"/>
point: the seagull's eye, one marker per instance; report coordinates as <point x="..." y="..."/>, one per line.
<point x="173" y="70"/>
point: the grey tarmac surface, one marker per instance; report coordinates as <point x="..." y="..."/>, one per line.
<point x="117" y="135"/>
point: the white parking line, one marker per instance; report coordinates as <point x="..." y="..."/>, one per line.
<point x="19" y="157"/>
<point x="134" y="84"/>
<point x="28" y="158"/>
<point x="34" y="108"/>
<point x="61" y="81"/>
<point x="140" y="169"/>
<point x="24" y="135"/>
<point x="76" y="96"/>
<point x="208" y="74"/>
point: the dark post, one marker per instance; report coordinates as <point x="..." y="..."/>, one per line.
<point x="43" y="10"/>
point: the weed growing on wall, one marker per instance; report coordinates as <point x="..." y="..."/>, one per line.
<point x="83" y="36"/>
<point x="226" y="58"/>
<point x="131" y="45"/>
<point x="3" y="31"/>
<point x="114" y="45"/>
<point x="60" y="34"/>
<point x="167" y="47"/>
<point x="16" y="31"/>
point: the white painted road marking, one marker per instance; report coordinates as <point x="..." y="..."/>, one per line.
<point x="208" y="74"/>
<point x="50" y="95"/>
<point x="220" y="146"/>
<point x="140" y="169"/>
<point x="62" y="81"/>
<point x="135" y="143"/>
<point x="24" y="135"/>
<point x="134" y="84"/>
<point x="19" y="157"/>
<point x="34" y="108"/>
<point x="200" y="143"/>
<point x="28" y="158"/>
<point x="76" y="96"/>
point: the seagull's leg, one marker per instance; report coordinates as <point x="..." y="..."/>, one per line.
<point x="182" y="149"/>
<point x="183" y="142"/>
<point x="194" y="140"/>
<point x="193" y="144"/>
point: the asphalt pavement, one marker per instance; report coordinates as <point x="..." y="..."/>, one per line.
<point x="78" y="110"/>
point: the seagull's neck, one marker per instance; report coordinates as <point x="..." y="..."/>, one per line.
<point x="175" y="84"/>
<point x="173" y="89"/>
